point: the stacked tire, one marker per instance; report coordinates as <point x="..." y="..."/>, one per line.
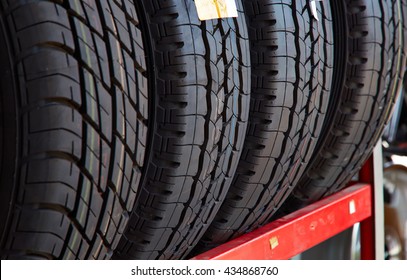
<point x="131" y="129"/>
<point x="375" y="68"/>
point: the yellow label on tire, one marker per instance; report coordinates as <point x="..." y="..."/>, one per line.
<point x="211" y="9"/>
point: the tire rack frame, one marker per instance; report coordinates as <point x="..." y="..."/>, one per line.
<point x="289" y="236"/>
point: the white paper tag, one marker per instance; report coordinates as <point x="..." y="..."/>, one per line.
<point x="211" y="9"/>
<point x="314" y="8"/>
<point x="352" y="207"/>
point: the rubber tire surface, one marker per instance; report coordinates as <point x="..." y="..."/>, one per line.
<point x="292" y="59"/>
<point x="74" y="104"/>
<point x="374" y="74"/>
<point x="201" y="108"/>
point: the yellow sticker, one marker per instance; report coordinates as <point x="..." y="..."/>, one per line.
<point x="273" y="242"/>
<point x="211" y="9"/>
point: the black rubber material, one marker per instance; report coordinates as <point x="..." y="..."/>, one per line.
<point x="202" y="71"/>
<point x="375" y="69"/>
<point x="74" y="107"/>
<point x="292" y="60"/>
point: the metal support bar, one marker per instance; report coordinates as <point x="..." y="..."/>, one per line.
<point x="372" y="229"/>
<point x="301" y="230"/>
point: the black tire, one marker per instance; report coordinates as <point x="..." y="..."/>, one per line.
<point x="375" y="68"/>
<point x="74" y="113"/>
<point x="292" y="60"/>
<point x="201" y="110"/>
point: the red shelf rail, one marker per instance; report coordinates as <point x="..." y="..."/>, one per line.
<point x="303" y="229"/>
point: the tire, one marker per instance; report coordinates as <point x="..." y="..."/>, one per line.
<point x="292" y="60"/>
<point x="74" y="107"/>
<point x="202" y="73"/>
<point x="342" y="246"/>
<point x="375" y="68"/>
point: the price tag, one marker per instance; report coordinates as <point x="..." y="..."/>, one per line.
<point x="211" y="9"/>
<point x="314" y="8"/>
<point x="352" y="207"/>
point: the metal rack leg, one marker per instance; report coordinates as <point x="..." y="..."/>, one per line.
<point x="372" y="229"/>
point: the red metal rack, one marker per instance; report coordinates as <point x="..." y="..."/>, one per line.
<point x="301" y="230"/>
